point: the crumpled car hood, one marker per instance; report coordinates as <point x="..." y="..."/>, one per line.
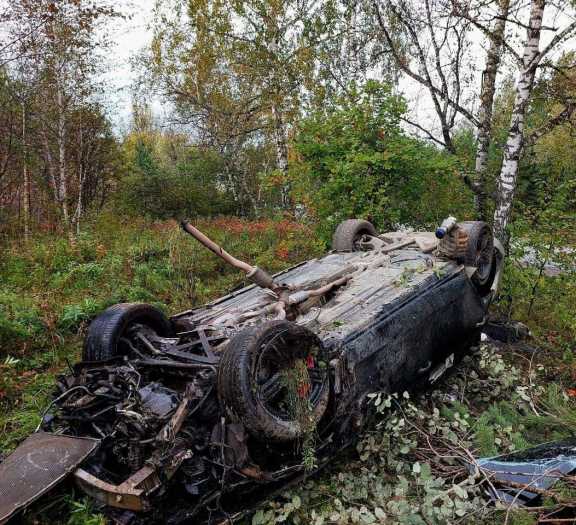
<point x="36" y="466"/>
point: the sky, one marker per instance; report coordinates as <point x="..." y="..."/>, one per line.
<point x="128" y="38"/>
<point x="132" y="35"/>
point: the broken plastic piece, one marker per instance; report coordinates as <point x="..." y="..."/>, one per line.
<point x="537" y="467"/>
<point x="38" y="465"/>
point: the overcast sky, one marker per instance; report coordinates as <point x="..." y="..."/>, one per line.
<point x="132" y="35"/>
<point x="129" y="37"/>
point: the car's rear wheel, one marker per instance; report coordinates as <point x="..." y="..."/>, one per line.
<point x="480" y="253"/>
<point x="274" y="379"/>
<point x="106" y="333"/>
<point x="349" y="233"/>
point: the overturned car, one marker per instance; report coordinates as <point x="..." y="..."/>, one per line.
<point x="194" y="418"/>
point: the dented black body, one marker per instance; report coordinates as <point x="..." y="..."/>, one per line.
<point x="443" y="317"/>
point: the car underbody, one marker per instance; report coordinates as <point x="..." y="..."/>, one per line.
<point x="196" y="418"/>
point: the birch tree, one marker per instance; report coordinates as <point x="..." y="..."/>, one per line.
<point x="531" y="58"/>
<point x="430" y="47"/>
<point x="428" y="28"/>
<point x="494" y="54"/>
<point x="435" y="53"/>
<point x="54" y="63"/>
<point x="348" y="51"/>
<point x="65" y="65"/>
<point x="237" y="73"/>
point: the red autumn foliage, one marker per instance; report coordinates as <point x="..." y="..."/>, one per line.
<point x="254" y="228"/>
<point x="282" y="252"/>
<point x="229" y="224"/>
<point x="258" y="227"/>
<point x="165" y="226"/>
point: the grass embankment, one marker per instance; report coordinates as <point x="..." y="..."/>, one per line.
<point x="406" y="468"/>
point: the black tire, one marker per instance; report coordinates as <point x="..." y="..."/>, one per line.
<point x="480" y="254"/>
<point x="348" y="234"/>
<point x="108" y="328"/>
<point x="253" y="359"/>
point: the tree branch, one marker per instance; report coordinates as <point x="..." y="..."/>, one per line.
<point x="420" y="79"/>
<point x="564" y="116"/>
<point x="424" y="130"/>
<point x="557" y="39"/>
<point x="461" y="13"/>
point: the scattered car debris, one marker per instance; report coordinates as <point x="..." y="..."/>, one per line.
<point x="522" y="477"/>
<point x="530" y="258"/>
<point x="201" y="415"/>
<point x="39" y="464"/>
<point x="506" y="331"/>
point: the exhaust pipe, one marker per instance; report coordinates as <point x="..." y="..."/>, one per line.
<point x="254" y="274"/>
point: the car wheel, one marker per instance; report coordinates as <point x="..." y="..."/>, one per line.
<point x="103" y="340"/>
<point x="274" y="379"/>
<point x="480" y="254"/>
<point x="348" y="234"/>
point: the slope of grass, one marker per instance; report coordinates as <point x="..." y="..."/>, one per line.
<point x="50" y="290"/>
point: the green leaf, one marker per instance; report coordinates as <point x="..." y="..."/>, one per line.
<point x="460" y="492"/>
<point x="258" y="518"/>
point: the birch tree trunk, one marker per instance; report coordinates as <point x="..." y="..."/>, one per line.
<point x="50" y="166"/>
<point x="62" y="172"/>
<point x="25" y="177"/>
<point x="81" y="180"/>
<point x="281" y="153"/>
<point x="513" y="148"/>
<point x="487" y="91"/>
<point x="279" y="127"/>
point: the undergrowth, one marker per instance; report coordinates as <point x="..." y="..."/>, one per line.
<point x="50" y="291"/>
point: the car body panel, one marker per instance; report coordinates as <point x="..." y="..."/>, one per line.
<point x="40" y="462"/>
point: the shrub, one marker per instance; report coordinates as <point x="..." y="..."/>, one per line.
<point x="189" y="189"/>
<point x="354" y="161"/>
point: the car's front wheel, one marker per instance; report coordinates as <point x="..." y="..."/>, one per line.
<point x="274" y="379"/>
<point x="107" y="332"/>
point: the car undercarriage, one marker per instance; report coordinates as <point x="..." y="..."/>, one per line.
<point x="197" y="417"/>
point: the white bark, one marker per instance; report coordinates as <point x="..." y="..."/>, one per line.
<point x="25" y="177"/>
<point x="513" y="148"/>
<point x="50" y="166"/>
<point x="281" y="153"/>
<point x="279" y="127"/>
<point x="280" y="138"/>
<point x="81" y="180"/>
<point x="487" y="91"/>
<point x="62" y="175"/>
